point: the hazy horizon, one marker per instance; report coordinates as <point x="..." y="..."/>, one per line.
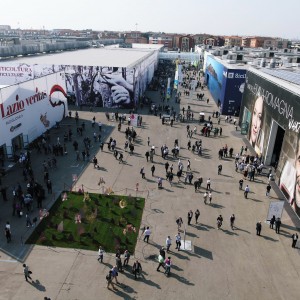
<point x="233" y="17"/>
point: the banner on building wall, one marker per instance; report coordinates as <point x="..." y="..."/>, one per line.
<point x="268" y="104"/>
<point x="32" y="107"/>
<point x="180" y="74"/>
<point x="176" y="76"/>
<point x="13" y="73"/>
<point x="169" y="89"/>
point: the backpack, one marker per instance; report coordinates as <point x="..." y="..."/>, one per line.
<point x="108" y="276"/>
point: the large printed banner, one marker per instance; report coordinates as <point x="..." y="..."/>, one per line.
<point x="112" y="87"/>
<point x="101" y="86"/>
<point x="267" y="105"/>
<point x="32" y="107"/>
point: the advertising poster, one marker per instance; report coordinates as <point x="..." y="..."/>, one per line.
<point x="32" y="107"/>
<point x="233" y="95"/>
<point x="12" y="73"/>
<point x="270" y="105"/>
<point x="214" y="78"/>
<point x="169" y="89"/>
<point x="101" y="86"/>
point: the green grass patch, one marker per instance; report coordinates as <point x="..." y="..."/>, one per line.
<point x="104" y="220"/>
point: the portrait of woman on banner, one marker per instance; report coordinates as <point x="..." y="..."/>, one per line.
<point x="256" y="134"/>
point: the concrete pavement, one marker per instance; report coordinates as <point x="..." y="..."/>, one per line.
<point x="223" y="264"/>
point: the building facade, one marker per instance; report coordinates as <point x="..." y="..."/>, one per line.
<point x="270" y="115"/>
<point x="226" y="85"/>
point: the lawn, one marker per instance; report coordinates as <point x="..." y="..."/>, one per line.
<point x="90" y="220"/>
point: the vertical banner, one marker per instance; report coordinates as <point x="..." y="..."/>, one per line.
<point x="180" y="75"/>
<point x="275" y="209"/>
<point x="176" y="79"/>
<point x="169" y="89"/>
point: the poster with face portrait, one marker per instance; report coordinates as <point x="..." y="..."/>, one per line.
<point x="267" y="105"/>
<point x="111" y="87"/>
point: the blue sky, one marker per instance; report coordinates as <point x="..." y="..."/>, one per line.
<point x="224" y="17"/>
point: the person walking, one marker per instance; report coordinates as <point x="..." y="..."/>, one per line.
<point x="27" y="272"/>
<point x="205" y="197"/>
<point x="119" y="262"/>
<point x="190" y="216"/>
<point x="148" y="141"/>
<point x="28" y="221"/>
<point x="277" y="225"/>
<point x="272" y="222"/>
<point x="247" y="190"/>
<point x="147" y="234"/>
<point x="295" y="239"/>
<point x="136" y="268"/>
<point x="142" y="172"/>
<point x="197" y="215"/>
<point x="179" y="222"/>
<point x="7" y="234"/>
<point x="241" y="181"/>
<point x="100" y="254"/>
<point x="258" y="228"/>
<point x="219" y="221"/>
<point x="49" y="186"/>
<point x="168" y="264"/>
<point x="161" y="262"/>
<point x="232" y="219"/>
<point x="166" y="166"/>
<point x="188" y="165"/>
<point x="209" y="197"/>
<point x="152" y="170"/>
<point x="114" y="273"/>
<point x="168" y="243"/>
<point x="126" y="258"/>
<point x="208" y="182"/>
<point x="109" y="278"/>
<point x="219" y="169"/>
<point x="268" y="190"/>
<point x="178" y="241"/>
<point x="147" y="154"/>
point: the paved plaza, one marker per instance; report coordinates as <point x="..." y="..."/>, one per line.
<point x="222" y="264"/>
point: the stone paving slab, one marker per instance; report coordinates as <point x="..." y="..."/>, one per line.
<point x="223" y="264"/>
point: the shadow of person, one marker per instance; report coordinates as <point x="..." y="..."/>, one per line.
<point x="126" y="288"/>
<point x="150" y="282"/>
<point x="38" y="285"/>
<point x="240" y="229"/>
<point x="121" y="294"/>
<point x="268" y="238"/>
<point x="181" y="279"/>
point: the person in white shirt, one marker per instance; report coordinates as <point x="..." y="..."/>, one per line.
<point x="168" y="243"/>
<point x="100" y="253"/>
<point x="178" y="241"/>
<point x="147" y="234"/>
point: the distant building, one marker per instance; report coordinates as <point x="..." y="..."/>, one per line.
<point x="135" y="37"/>
<point x="166" y="40"/>
<point x="233" y="41"/>
<point x="184" y="42"/>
